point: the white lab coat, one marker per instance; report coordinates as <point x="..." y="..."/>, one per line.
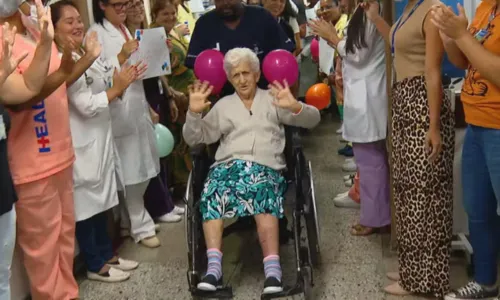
<point x="96" y="171"/>
<point x="133" y="129"/>
<point x="365" y="92"/>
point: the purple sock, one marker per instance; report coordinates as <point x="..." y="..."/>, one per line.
<point x="272" y="266"/>
<point x="214" y="268"/>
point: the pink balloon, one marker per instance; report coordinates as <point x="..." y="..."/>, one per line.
<point x="315" y="48"/>
<point x="209" y="66"/>
<point x="280" y="65"/>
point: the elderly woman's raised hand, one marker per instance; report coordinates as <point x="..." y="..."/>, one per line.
<point x="198" y="96"/>
<point x="284" y="97"/>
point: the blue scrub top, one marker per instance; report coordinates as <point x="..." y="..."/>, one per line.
<point x="258" y="30"/>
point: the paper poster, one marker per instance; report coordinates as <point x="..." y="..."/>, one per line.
<point x="153" y="51"/>
<point x="310" y="15"/>
<point x="326" y="54"/>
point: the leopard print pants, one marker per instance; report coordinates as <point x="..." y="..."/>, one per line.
<point x="423" y="190"/>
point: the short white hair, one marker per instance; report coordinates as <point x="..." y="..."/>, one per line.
<point x="236" y="56"/>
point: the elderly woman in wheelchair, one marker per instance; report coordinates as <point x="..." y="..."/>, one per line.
<point x="246" y="178"/>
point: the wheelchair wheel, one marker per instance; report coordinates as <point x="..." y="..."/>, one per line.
<point x="311" y="215"/>
<point x="196" y="249"/>
<point x="307" y="283"/>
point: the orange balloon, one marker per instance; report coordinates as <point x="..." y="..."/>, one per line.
<point x="319" y="96"/>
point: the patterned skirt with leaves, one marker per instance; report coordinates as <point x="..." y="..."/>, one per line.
<point x="241" y="188"/>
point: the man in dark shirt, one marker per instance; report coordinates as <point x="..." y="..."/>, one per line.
<point x="231" y="25"/>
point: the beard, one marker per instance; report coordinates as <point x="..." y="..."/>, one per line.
<point x="236" y="12"/>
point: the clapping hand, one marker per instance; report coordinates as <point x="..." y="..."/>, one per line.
<point x="283" y="96"/>
<point x="451" y="25"/>
<point x="67" y="61"/>
<point x="45" y="22"/>
<point x="371" y="8"/>
<point x="92" y="45"/>
<point x="198" y="96"/>
<point x="324" y="29"/>
<point x="129" y="47"/>
<point x="8" y="63"/>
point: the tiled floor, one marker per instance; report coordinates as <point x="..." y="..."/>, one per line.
<point x="353" y="267"/>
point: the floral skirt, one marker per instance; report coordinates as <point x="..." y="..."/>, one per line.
<point x="241" y="188"/>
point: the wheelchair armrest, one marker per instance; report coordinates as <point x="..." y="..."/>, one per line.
<point x="293" y="137"/>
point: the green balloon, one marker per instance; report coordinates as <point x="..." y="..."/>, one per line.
<point x="164" y="140"/>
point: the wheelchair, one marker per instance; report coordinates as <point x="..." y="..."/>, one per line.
<point x="305" y="227"/>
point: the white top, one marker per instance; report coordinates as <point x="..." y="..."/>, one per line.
<point x="258" y="136"/>
<point x="96" y="168"/>
<point x="365" y="92"/>
<point x="294" y="24"/>
<point x="133" y="130"/>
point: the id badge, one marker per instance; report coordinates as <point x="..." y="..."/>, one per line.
<point x="481" y="35"/>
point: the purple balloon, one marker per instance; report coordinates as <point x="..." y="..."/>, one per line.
<point x="209" y="66"/>
<point x="280" y="65"/>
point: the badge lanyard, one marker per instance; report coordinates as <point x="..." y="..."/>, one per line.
<point x="481" y="34"/>
<point x="400" y="23"/>
<point x="124" y="32"/>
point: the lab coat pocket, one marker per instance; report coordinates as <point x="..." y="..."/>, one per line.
<point x="87" y="169"/>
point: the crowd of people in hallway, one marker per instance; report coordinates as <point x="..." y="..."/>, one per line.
<point x="78" y="144"/>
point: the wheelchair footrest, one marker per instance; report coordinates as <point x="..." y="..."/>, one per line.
<point x="287" y="292"/>
<point x="221" y="293"/>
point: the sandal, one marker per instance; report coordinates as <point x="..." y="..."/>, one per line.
<point x="360" y="230"/>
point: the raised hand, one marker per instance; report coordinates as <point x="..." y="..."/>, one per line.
<point x="324" y="29"/>
<point x="45" y="22"/>
<point x="283" y="96"/>
<point x="67" y="61"/>
<point x="8" y="63"/>
<point x="451" y="25"/>
<point x="92" y="45"/>
<point x="123" y="79"/>
<point x="198" y="96"/>
<point x="129" y="47"/>
<point x="371" y="8"/>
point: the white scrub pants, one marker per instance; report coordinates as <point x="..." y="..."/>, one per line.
<point x="7" y="242"/>
<point x="135" y="216"/>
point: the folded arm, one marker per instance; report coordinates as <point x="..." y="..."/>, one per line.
<point x="202" y="130"/>
<point x="486" y="62"/>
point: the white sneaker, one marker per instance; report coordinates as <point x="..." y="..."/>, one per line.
<point x="171" y="217"/>
<point x="339" y="131"/>
<point x="349" y="183"/>
<point x="345" y="202"/>
<point x="124" y="264"/>
<point x="125" y="232"/>
<point x="178" y="210"/>
<point x="349" y="159"/>
<point x="113" y="275"/>
<point x="349" y="166"/>
<point x="151" y="242"/>
<point x="349" y="177"/>
<point x="341" y="195"/>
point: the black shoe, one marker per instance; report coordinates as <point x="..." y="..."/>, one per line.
<point x="472" y="291"/>
<point x="209" y="283"/>
<point x="272" y="286"/>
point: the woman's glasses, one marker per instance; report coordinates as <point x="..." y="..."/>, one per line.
<point x="121" y="5"/>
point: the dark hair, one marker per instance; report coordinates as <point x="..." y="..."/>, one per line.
<point x="97" y="11"/>
<point x="356" y="32"/>
<point x="288" y="11"/>
<point x="57" y="7"/>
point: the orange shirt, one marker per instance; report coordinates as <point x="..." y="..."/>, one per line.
<point x="39" y="143"/>
<point x="481" y="98"/>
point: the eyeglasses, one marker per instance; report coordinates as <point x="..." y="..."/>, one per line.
<point x="137" y="4"/>
<point x="120" y="5"/>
